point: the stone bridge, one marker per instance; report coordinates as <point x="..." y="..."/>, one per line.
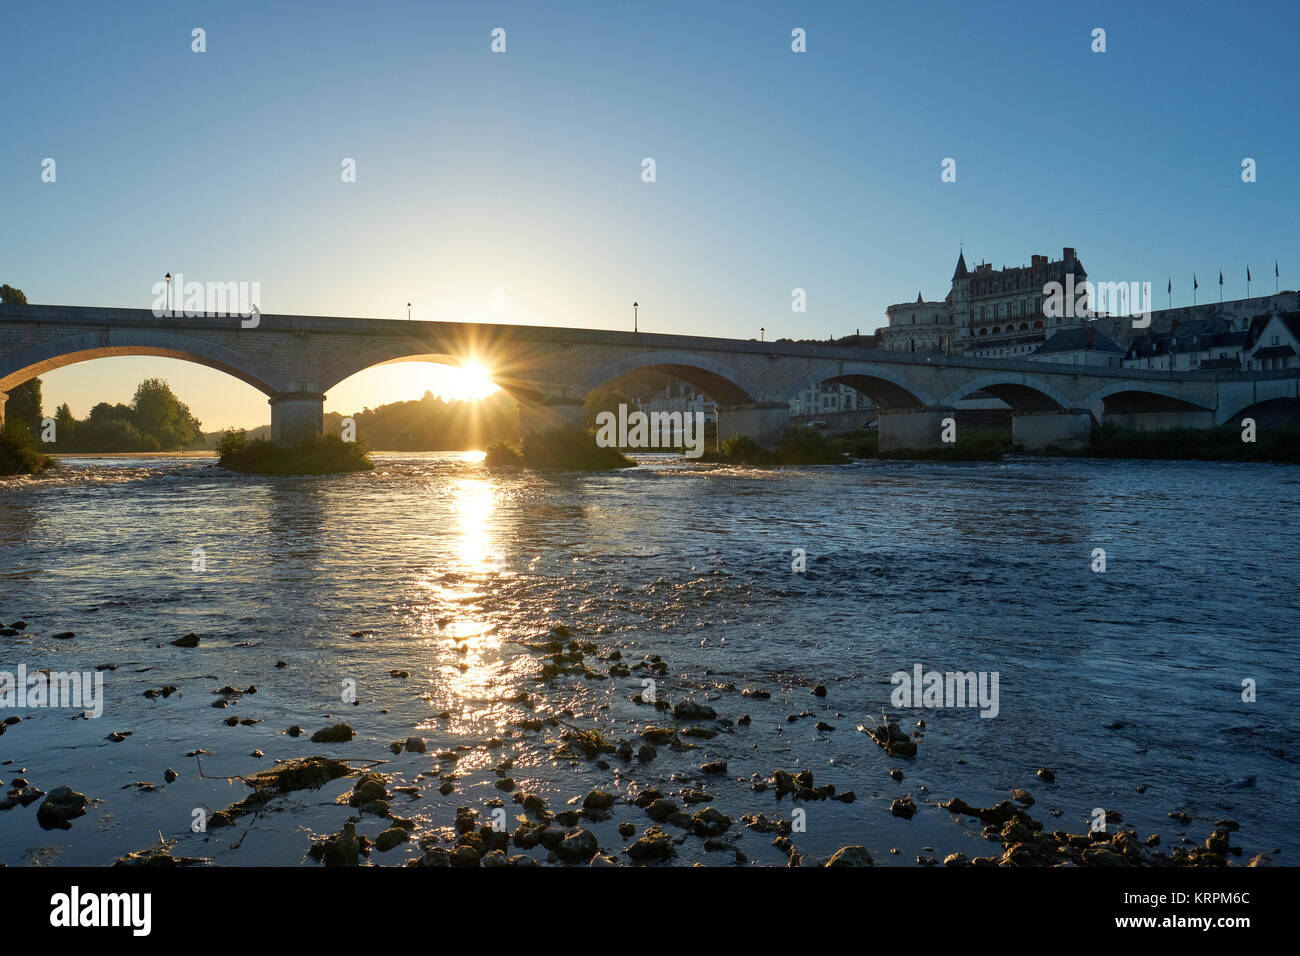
<point x="297" y="359"/>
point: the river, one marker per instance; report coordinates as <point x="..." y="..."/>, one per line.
<point x="1127" y="683"/>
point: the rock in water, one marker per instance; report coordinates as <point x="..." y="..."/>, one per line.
<point x="62" y="805"/>
<point x="339" y="733"/>
<point x="850" y="856"/>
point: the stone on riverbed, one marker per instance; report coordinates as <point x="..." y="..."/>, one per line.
<point x="904" y="808"/>
<point x="299" y="774"/>
<point x="598" y="800"/>
<point x="658" y="735"/>
<point x="892" y="739"/>
<point x="61" y="805"/>
<point x="338" y="733"/>
<point x="850" y="856"/>
<point x="578" y="847"/>
<point x="690" y="710"/>
<point x="655" y="844"/>
<point x="390" y="838"/>
<point x="710" y="822"/>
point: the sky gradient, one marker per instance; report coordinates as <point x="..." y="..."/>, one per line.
<point x="521" y="171"/>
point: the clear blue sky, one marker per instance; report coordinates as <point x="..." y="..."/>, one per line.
<point x="522" y="171"/>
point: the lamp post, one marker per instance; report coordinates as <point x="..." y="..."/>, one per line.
<point x="634" y="318"/>
<point x="168" y="279"/>
<point x="408" y="312"/>
<point x="762" y="334"/>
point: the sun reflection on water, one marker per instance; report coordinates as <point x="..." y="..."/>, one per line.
<point x="464" y="599"/>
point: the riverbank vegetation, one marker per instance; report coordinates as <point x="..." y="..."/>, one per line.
<point x="156" y="420"/>
<point x="1192" y="444"/>
<point x="430" y="423"/>
<point x="323" y="455"/>
<point x="20" y="454"/>
<point x="567" y="449"/>
<point x="808" y="446"/>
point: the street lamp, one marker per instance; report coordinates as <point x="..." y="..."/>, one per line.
<point x="762" y="333"/>
<point x="168" y="279"/>
<point x="634" y="319"/>
<point x="408" y="312"/>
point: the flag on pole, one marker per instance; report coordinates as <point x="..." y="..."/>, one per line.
<point x="1195" y="285"/>
<point x="1247" y="273"/>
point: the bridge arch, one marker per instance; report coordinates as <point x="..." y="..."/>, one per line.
<point x="1135" y="397"/>
<point x="886" y="386"/>
<point x="716" y="379"/>
<point x="502" y="372"/>
<point x="1023" y="392"/>
<point x="19" y="367"/>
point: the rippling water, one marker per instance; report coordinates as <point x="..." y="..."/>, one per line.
<point x="435" y="565"/>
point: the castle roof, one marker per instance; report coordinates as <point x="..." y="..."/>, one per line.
<point x="1077" y="339"/>
<point x="960" y="271"/>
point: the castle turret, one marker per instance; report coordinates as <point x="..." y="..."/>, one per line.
<point x="961" y="313"/>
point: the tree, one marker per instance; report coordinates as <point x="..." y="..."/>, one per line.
<point x="65" y="425"/>
<point x="11" y="296"/>
<point x="24" y="405"/>
<point x="604" y="400"/>
<point x="156" y="411"/>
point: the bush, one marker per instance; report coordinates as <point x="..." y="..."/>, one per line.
<point x="565" y="449"/>
<point x="19" y="452"/>
<point x="1204" y="444"/>
<point x="972" y="444"/>
<point x="799" y="446"/>
<point x="860" y="444"/>
<point x="323" y="455"/>
<point x="502" y="453"/>
<point x="743" y="450"/>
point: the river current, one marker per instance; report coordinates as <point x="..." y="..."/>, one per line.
<point x="1127" y="683"/>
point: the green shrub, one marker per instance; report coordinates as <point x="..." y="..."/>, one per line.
<point x="19" y="452"/>
<point x="570" y="449"/>
<point x="323" y="455"/>
<point x="502" y="453"/>
<point x="1203" y="444"/>
<point x="972" y="444"/>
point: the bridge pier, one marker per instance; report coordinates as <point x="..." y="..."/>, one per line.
<point x="763" y="421"/>
<point x="1035" y="431"/>
<point x="913" y="429"/>
<point x="296" y="417"/>
<point x="549" y="413"/>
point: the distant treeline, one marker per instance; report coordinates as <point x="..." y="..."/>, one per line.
<point x="434" y="424"/>
<point x="156" y="420"/>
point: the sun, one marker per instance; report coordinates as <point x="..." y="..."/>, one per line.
<point x="466" y="382"/>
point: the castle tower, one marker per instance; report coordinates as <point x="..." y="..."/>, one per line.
<point x="961" y="313"/>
